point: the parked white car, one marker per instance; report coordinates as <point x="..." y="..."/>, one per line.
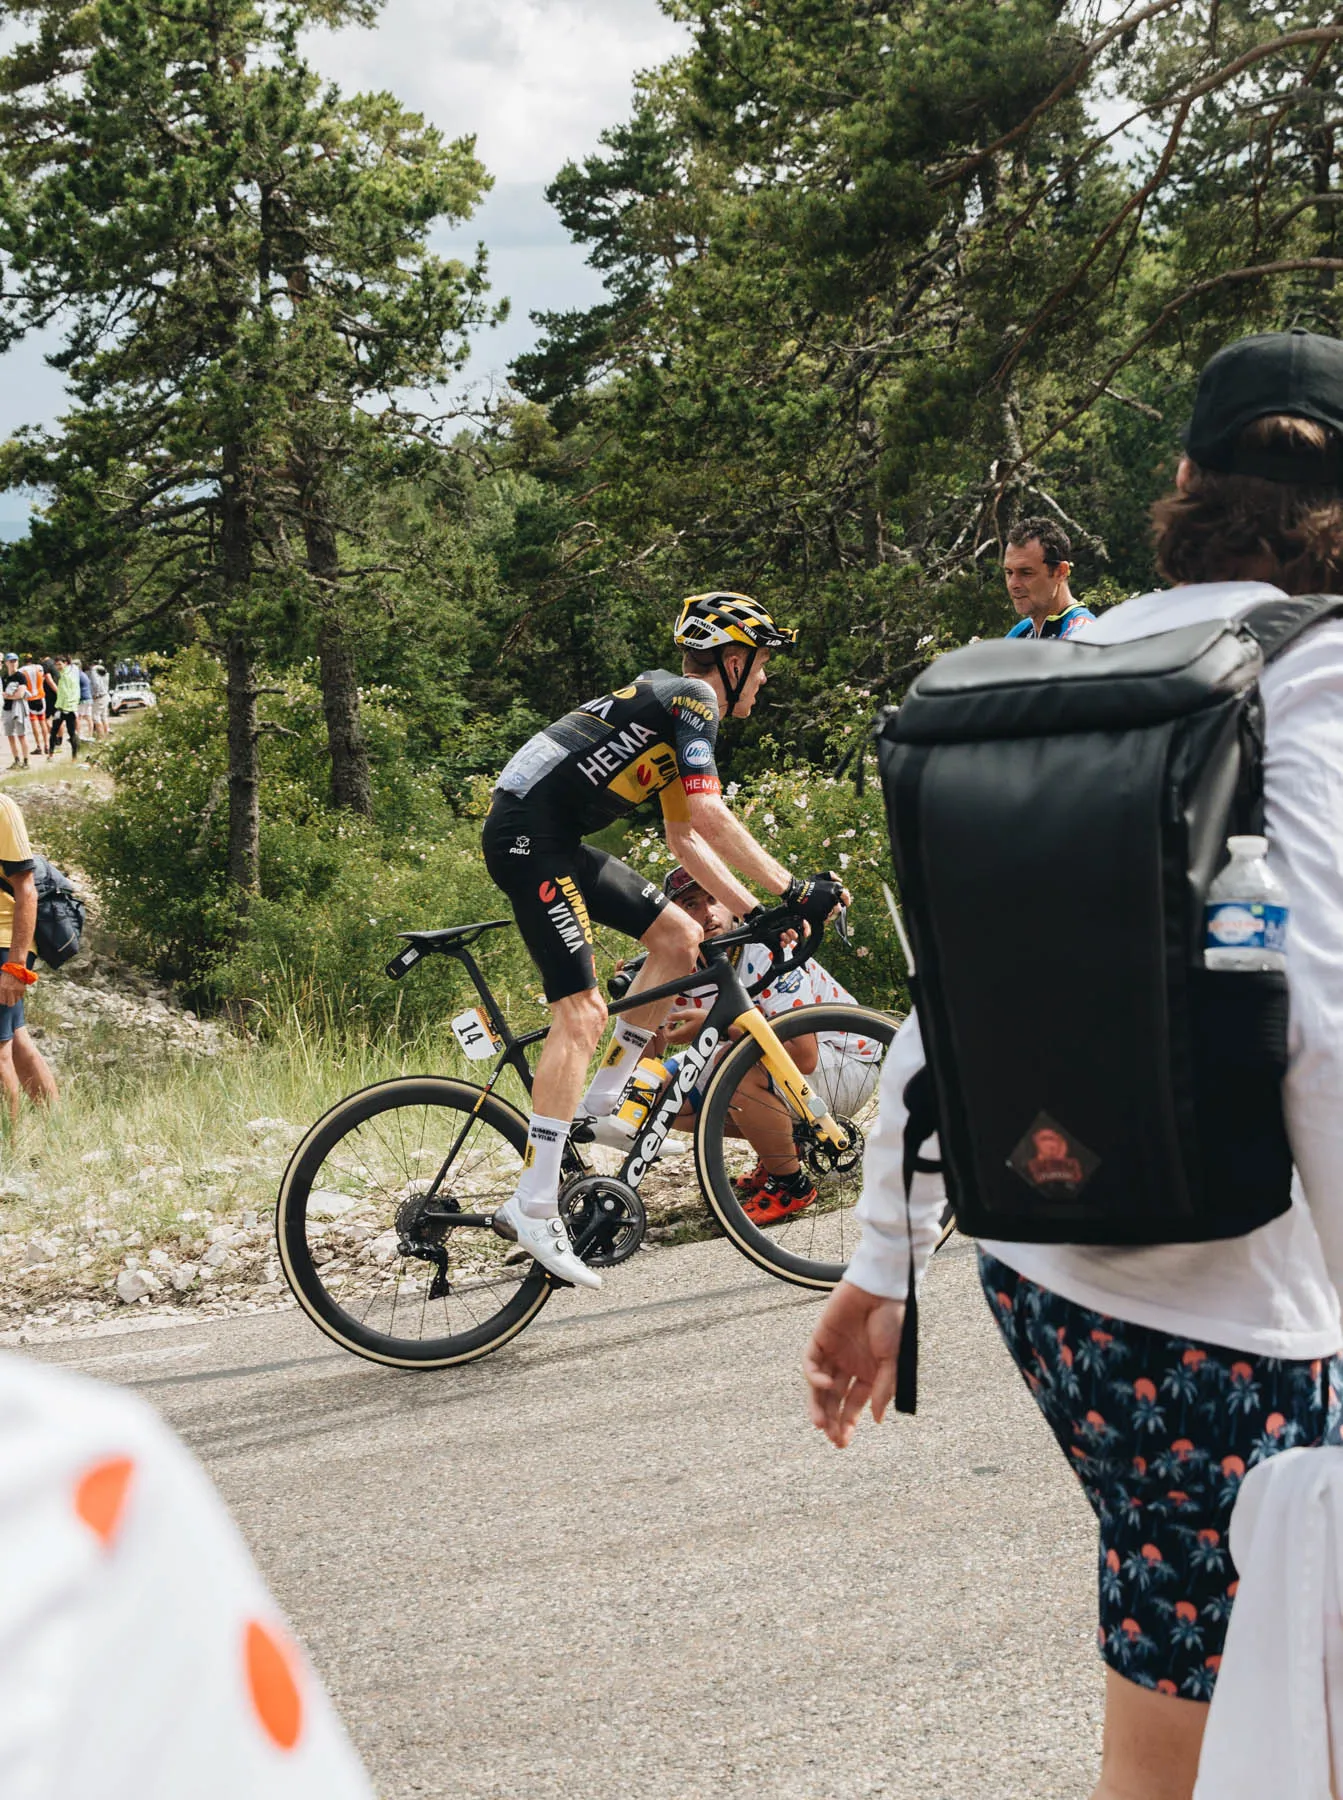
<point x="130" y="696"/>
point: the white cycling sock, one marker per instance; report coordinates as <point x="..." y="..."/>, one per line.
<point x="539" y="1190"/>
<point x="628" y="1043"/>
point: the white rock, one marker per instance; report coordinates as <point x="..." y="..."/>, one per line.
<point x="324" y="1204"/>
<point x="41" y="1250"/>
<point x="217" y="1255"/>
<point x="96" y="1156"/>
<point x="383" y="1248"/>
<point x="159" y="1259"/>
<point x="221" y="1234"/>
<point x="260" y="1127"/>
<point x="183" y="1276"/>
<point x="135" y="1284"/>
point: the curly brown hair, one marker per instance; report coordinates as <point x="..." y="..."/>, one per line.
<point x="1232" y="527"/>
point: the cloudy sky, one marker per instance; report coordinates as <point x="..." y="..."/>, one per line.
<point x="536" y="81"/>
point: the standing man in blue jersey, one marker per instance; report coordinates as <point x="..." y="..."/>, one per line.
<point x="1037" y="565"/>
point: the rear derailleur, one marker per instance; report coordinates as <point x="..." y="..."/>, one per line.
<point x="420" y="1231"/>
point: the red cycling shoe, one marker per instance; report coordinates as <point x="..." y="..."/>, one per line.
<point x="752" y="1179"/>
<point x="779" y="1197"/>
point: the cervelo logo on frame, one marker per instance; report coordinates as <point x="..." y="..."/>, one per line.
<point x="697" y="754"/>
<point x="694" y="1060"/>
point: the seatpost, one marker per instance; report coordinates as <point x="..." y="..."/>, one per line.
<point x="497" y="1019"/>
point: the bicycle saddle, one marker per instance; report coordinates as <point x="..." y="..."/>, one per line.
<point x="439" y="939"/>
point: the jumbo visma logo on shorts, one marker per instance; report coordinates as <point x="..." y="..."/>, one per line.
<point x="567" y="911"/>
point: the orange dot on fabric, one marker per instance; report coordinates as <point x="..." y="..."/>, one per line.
<point x="100" y="1495"/>
<point x="272" y="1679"/>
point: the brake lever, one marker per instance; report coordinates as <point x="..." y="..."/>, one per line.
<point x="840" y="921"/>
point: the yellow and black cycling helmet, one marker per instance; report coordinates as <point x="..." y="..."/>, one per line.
<point x="723" y="621"/>
<point x="719" y="620"/>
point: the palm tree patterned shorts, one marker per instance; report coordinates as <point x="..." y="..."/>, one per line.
<point x="1159" y="1431"/>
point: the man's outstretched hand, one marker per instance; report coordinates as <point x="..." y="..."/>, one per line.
<point x="851" y="1360"/>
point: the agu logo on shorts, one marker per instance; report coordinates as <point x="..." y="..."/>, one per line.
<point x="547" y="891"/>
<point x="697" y="754"/>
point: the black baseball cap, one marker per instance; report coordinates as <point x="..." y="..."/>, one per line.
<point x="678" y="881"/>
<point x="1295" y="372"/>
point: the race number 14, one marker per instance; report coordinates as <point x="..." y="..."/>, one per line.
<point x="473" y="1033"/>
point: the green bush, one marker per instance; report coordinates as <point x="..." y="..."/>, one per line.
<point x="334" y="889"/>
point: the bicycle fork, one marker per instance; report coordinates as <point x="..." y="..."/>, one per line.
<point x="789" y="1079"/>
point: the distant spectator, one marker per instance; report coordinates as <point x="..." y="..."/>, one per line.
<point x="67" y="707"/>
<point x="98" y="687"/>
<point x="1037" y="566"/>
<point x="22" y="1068"/>
<point x="84" y="711"/>
<point x="16" y="711"/>
<point x="123" y="671"/>
<point x="37" y="701"/>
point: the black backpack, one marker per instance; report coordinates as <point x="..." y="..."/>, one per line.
<point x="1057" y="812"/>
<point x="60" y="913"/>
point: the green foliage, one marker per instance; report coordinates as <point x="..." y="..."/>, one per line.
<point x="335" y="890"/>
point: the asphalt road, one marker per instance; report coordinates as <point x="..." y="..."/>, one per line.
<point x="615" y="1560"/>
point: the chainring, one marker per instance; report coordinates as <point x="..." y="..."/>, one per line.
<point x="605" y="1219"/>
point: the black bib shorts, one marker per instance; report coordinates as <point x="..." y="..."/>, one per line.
<point x="557" y="885"/>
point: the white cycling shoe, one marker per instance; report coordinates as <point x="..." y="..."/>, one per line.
<point x="548" y="1241"/>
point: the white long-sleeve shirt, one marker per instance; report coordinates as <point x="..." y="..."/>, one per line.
<point x="1274" y="1291"/>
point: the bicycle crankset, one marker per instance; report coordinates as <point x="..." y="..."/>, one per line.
<point x="823" y="1158"/>
<point x="423" y="1237"/>
<point x="605" y="1219"/>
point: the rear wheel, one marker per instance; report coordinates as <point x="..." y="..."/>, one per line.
<point x="364" y="1223"/>
<point x="810" y="1247"/>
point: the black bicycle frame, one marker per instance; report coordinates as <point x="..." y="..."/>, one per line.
<point x="732" y="1000"/>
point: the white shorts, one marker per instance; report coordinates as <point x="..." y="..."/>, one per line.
<point x="99" y="710"/>
<point x="846" y="1083"/>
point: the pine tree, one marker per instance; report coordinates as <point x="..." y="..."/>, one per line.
<point x="238" y="259"/>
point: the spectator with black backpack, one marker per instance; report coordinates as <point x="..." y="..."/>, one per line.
<point x="23" y="1069"/>
<point x="1118" y="1113"/>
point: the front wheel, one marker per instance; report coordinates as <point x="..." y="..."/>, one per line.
<point x="366" y="1233"/>
<point x="745" y="1122"/>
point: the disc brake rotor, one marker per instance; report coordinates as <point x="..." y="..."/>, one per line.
<point x="823" y="1158"/>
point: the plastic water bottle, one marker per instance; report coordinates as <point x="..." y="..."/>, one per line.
<point x="641" y="1094"/>
<point x="1246" y="914"/>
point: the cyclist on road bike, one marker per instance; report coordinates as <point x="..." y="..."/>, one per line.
<point x="655" y="736"/>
